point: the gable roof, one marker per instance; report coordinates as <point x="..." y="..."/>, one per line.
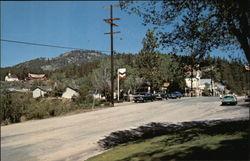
<point x="73" y="87"/>
<point x="44" y="88"/>
<point x="12" y="76"/>
<point x="37" y="76"/>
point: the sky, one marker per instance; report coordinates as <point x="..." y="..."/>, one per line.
<point x="63" y="23"/>
<point x="76" y="24"/>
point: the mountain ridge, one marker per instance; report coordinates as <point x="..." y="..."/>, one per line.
<point x="74" y="57"/>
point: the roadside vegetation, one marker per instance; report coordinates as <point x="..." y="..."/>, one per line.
<point x="19" y="107"/>
<point x="225" y="141"/>
<point x="148" y="68"/>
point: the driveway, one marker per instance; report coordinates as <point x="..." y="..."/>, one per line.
<point x="75" y="137"/>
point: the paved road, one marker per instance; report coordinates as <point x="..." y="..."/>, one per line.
<point x="75" y="137"/>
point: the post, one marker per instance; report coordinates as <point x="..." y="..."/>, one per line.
<point x="192" y="82"/>
<point x="112" y="53"/>
<point x="211" y="75"/>
<point x="110" y="21"/>
<point x="118" y="86"/>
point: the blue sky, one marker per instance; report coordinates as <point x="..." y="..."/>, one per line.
<point x="64" y="23"/>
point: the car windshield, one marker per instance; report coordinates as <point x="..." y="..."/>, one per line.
<point x="228" y="97"/>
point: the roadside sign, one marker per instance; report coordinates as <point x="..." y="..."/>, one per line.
<point x="166" y="84"/>
<point x="247" y="67"/>
<point x="122" y="73"/>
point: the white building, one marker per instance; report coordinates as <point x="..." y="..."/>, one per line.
<point x="40" y="91"/>
<point x="206" y="83"/>
<point x="194" y="81"/>
<point x="11" y="78"/>
<point x="70" y="92"/>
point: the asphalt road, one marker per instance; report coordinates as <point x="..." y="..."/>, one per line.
<point x="75" y="137"/>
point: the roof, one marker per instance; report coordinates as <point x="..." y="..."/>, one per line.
<point x="36" y="75"/>
<point x="205" y="81"/>
<point x="12" y="76"/>
<point x="73" y="87"/>
<point x="44" y="88"/>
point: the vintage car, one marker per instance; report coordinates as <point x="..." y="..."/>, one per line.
<point x="143" y="97"/>
<point x="229" y="99"/>
<point x="175" y="95"/>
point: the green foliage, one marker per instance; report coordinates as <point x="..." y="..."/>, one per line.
<point x="206" y="92"/>
<point x="196" y="26"/>
<point x="13" y="106"/>
<point x="226" y="141"/>
<point x="149" y="61"/>
<point x="101" y="78"/>
<point x="36" y="83"/>
<point x="40" y="109"/>
<point x="85" y="91"/>
<point x="17" y="105"/>
<point x="149" y="67"/>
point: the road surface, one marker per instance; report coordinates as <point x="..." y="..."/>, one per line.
<point x="75" y="137"/>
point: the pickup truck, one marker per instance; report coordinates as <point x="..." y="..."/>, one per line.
<point x="143" y="97"/>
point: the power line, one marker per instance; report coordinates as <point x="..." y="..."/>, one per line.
<point x="46" y="45"/>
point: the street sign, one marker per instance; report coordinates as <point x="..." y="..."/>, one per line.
<point x="166" y="84"/>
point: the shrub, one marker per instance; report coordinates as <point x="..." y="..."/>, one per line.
<point x="13" y="106"/>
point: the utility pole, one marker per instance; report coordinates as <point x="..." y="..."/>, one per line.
<point x="110" y="21"/>
<point x="192" y="76"/>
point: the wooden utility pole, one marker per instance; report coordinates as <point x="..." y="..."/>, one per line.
<point x="110" y="21"/>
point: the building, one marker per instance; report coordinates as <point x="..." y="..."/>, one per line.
<point x="70" y="92"/>
<point x="11" y="78"/>
<point x="206" y="83"/>
<point x="40" y="91"/>
<point x="193" y="83"/>
<point x="36" y="77"/>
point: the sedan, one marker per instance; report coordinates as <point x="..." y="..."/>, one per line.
<point x="229" y="99"/>
<point x="143" y="97"/>
<point x="175" y="95"/>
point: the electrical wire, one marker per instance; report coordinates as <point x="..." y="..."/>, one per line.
<point x="46" y="45"/>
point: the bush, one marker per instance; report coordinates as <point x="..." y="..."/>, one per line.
<point x="206" y="92"/>
<point x="47" y="108"/>
<point x="13" y="106"/>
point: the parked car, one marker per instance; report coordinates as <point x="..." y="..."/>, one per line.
<point x="163" y="94"/>
<point x="229" y="99"/>
<point x="179" y="94"/>
<point x="143" y="97"/>
<point x="175" y="95"/>
<point x="247" y="99"/>
<point x="158" y="96"/>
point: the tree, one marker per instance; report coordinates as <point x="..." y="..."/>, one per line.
<point x="149" y="61"/>
<point x="101" y="78"/>
<point x="172" y="72"/>
<point x="197" y="25"/>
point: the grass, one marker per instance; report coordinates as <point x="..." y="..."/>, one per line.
<point x="213" y="143"/>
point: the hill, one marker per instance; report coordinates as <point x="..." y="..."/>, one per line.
<point x="75" y="57"/>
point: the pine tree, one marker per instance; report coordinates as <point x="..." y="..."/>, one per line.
<point x="149" y="61"/>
